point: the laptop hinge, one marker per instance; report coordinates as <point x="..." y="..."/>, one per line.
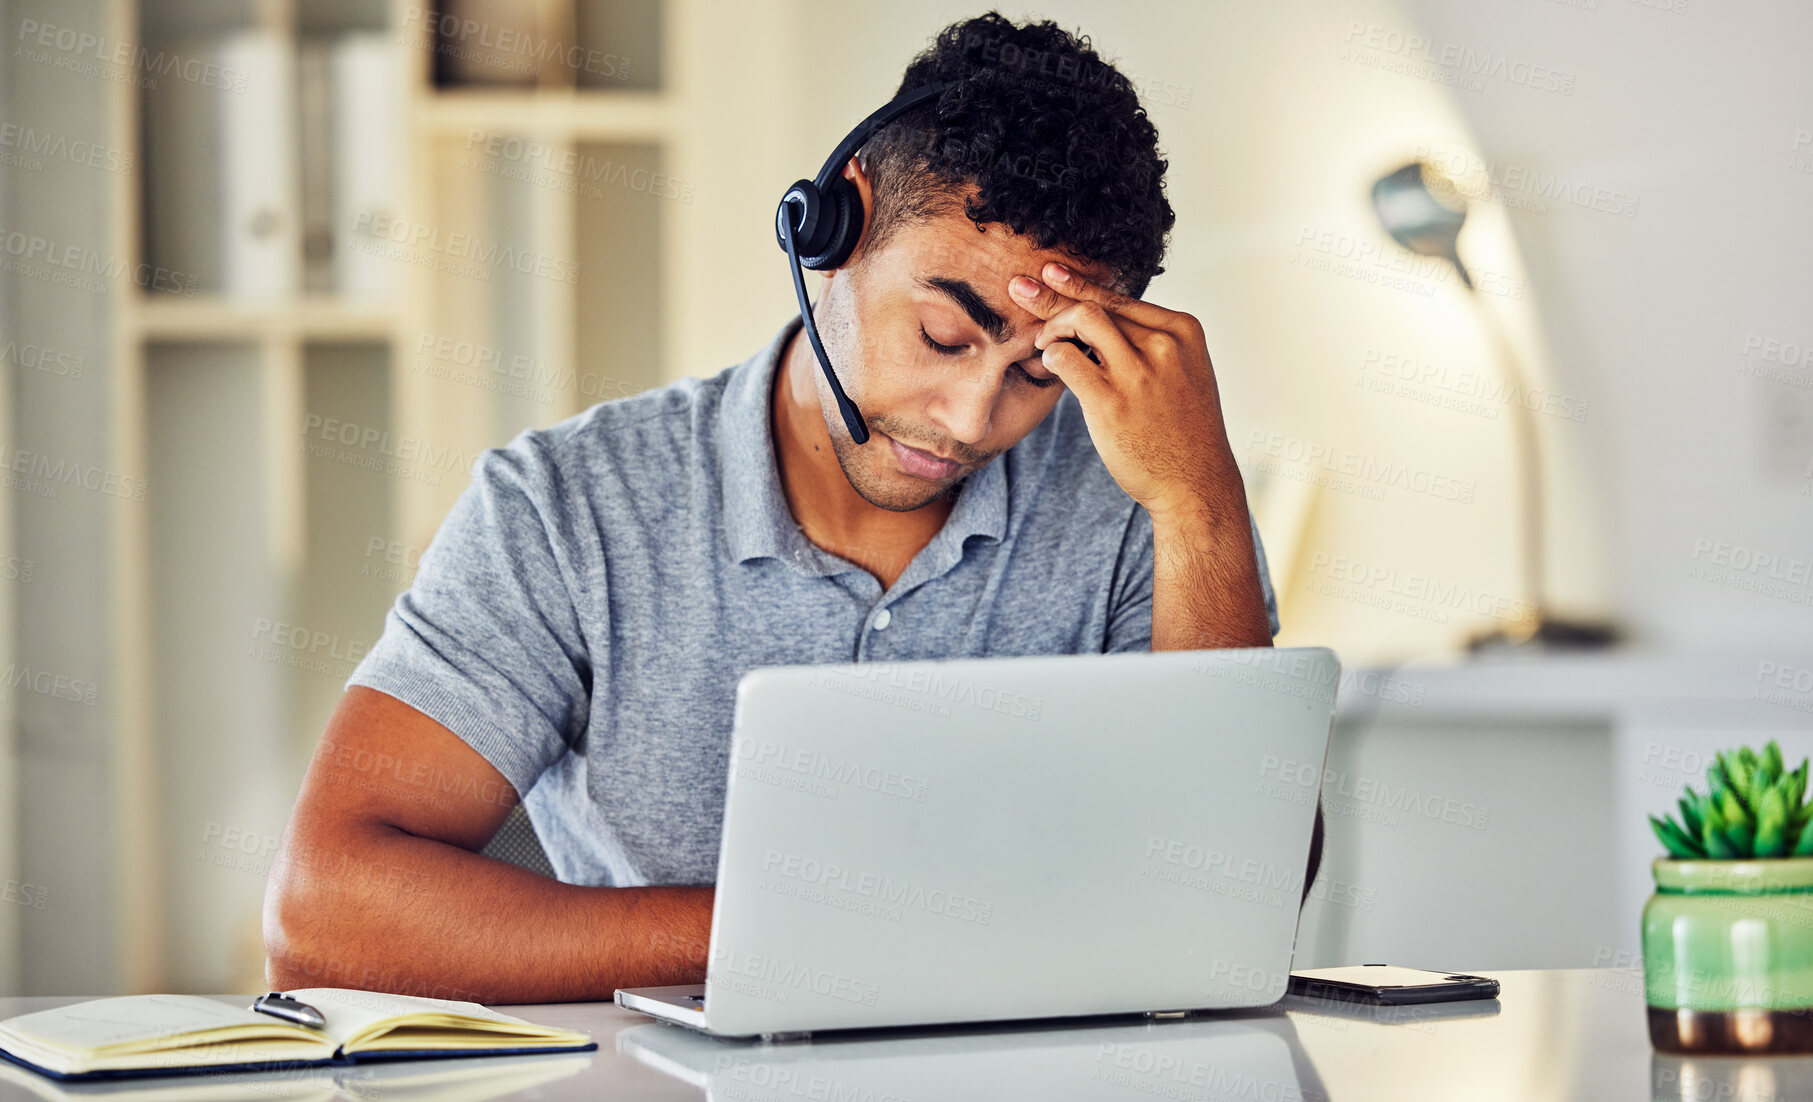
<point x="786" y="1036"/>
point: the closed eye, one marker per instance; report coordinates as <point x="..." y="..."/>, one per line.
<point x="954" y="349"/>
<point x="941" y="349"/>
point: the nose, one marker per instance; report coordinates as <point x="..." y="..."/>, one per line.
<point x="965" y="409"/>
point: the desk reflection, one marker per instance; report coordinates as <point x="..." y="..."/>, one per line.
<point x="456" y="1079"/>
<point x="1202" y="1059"/>
<point x="1730" y="1078"/>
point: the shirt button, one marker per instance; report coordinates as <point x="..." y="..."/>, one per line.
<point x="883" y="619"/>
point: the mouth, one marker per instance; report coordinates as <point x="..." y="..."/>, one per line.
<point x="921" y="464"/>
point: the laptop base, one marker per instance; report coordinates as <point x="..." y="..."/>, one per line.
<point x="684" y="1005"/>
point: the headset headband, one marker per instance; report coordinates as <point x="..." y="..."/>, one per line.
<point x="866" y="129"/>
<point x="822" y="219"/>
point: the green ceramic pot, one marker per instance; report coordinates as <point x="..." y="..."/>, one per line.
<point x="1728" y="956"/>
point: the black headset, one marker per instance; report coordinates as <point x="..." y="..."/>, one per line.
<point x="828" y="222"/>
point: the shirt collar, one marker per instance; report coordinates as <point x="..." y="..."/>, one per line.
<point x="757" y="521"/>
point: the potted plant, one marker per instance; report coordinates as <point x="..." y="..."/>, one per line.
<point x="1728" y="934"/>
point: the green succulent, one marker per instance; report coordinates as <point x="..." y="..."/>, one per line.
<point x="1752" y="807"/>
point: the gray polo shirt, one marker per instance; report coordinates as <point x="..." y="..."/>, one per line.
<point x="583" y="614"/>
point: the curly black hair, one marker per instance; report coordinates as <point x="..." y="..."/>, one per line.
<point x="1052" y="138"/>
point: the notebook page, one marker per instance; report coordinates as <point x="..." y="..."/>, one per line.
<point x="127" y="1019"/>
<point x="349" y="1011"/>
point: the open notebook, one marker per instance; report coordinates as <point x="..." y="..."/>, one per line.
<point x="140" y="1035"/>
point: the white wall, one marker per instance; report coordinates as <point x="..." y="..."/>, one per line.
<point x="1697" y="111"/>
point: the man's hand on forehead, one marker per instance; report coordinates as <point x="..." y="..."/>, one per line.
<point x="1148" y="393"/>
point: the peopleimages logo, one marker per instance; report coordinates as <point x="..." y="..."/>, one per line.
<point x="566" y="169"/>
<point x="467" y="253"/>
<point x="1377" y="367"/>
<point x="84" y="51"/>
<point x="82" y="268"/>
<point x="883" y="889"/>
<point x="1489" y="181"/>
<point x="506" y="47"/>
<point x="1204" y="869"/>
<point x="376" y="449"/>
<point x="1209" y="861"/>
<point x="28" y="145"/>
<point x="1366" y="469"/>
<point x="1162" y="1074"/>
<point x="1783" y="685"/>
<point x="1401" y="798"/>
<point x="757" y="1079"/>
<point x="46" y="683"/>
<point x="1771" y="574"/>
<point x="1783" y="362"/>
<point x="1460" y="60"/>
<point x="944" y="687"/>
<point x="514" y="373"/>
<point x="1290" y="673"/>
<point x="730" y="966"/>
<point x="43" y="474"/>
<point x="1380" y="583"/>
<point x="827" y="767"/>
<point x="39" y="358"/>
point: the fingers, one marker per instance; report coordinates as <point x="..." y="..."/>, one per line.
<point x="1077" y="370"/>
<point x="1043" y="302"/>
<point x="1064" y="317"/>
<point x="1095" y="327"/>
<point x="1082" y="289"/>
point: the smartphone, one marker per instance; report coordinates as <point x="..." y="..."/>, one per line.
<point x="1389" y="985"/>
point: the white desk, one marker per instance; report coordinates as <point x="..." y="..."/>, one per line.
<point x="1540" y="774"/>
<point x="1553" y="1035"/>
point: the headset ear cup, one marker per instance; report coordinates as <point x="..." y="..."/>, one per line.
<point x="804" y="208"/>
<point x="843" y="214"/>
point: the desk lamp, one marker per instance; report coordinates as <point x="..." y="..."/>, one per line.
<point x="1423" y="211"/>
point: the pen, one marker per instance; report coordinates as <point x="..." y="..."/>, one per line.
<point x="279" y="1005"/>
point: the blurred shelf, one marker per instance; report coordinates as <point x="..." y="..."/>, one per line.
<point x="223" y="319"/>
<point x="213" y="400"/>
<point x="577" y="114"/>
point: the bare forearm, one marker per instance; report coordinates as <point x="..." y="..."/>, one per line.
<point x="1205" y="580"/>
<point x="381" y="909"/>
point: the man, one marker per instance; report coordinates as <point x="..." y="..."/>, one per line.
<point x="576" y="630"/>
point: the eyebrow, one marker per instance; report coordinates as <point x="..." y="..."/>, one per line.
<point x="960" y="292"/>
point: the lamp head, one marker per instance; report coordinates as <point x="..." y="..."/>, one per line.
<point x="1423" y="211"/>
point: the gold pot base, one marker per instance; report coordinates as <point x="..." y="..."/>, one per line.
<point x="1733" y="1032"/>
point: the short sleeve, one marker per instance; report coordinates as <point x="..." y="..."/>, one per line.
<point x="487" y="639"/>
<point x="1130" y="619"/>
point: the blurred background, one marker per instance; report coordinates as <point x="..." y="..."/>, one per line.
<point x="274" y="272"/>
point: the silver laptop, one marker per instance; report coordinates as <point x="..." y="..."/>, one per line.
<point x="938" y="842"/>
